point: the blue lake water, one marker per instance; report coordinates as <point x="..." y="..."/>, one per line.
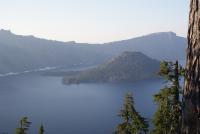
<point x="73" y="109"/>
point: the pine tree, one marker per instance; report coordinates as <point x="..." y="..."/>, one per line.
<point x="41" y="129"/>
<point x="133" y="123"/>
<point x="168" y="115"/>
<point x="23" y="126"/>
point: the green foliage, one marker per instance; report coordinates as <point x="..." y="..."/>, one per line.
<point x="23" y="126"/>
<point x="164" y="70"/>
<point x="181" y="71"/>
<point x="167" y="117"/>
<point x="41" y="129"/>
<point x="133" y="123"/>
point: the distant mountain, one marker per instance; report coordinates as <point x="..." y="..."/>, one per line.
<point x="161" y="46"/>
<point x="20" y="53"/>
<point x="128" y="67"/>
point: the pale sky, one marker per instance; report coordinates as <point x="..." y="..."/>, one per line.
<point x="93" y="21"/>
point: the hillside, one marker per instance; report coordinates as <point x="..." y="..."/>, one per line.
<point x="127" y="67"/>
<point x="20" y="53"/>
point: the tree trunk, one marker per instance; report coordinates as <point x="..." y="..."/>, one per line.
<point x="191" y="96"/>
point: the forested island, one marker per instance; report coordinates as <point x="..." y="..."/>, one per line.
<point x="127" y="67"/>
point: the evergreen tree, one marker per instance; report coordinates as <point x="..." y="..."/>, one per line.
<point x="163" y="116"/>
<point x="133" y="123"/>
<point x="168" y="115"/>
<point x="41" y="129"/>
<point x="23" y="126"/>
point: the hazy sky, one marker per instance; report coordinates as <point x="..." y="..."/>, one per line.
<point x="93" y="20"/>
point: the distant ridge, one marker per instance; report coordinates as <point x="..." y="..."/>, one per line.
<point x="21" y="53"/>
<point x="170" y="34"/>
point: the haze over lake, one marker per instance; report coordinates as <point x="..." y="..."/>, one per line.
<point x="73" y="109"/>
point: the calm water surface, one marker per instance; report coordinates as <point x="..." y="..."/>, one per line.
<point x="73" y="109"/>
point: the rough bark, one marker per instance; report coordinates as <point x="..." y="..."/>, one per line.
<point x="191" y="96"/>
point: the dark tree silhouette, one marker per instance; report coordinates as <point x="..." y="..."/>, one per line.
<point x="41" y="129"/>
<point x="24" y="124"/>
<point x="133" y="123"/>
